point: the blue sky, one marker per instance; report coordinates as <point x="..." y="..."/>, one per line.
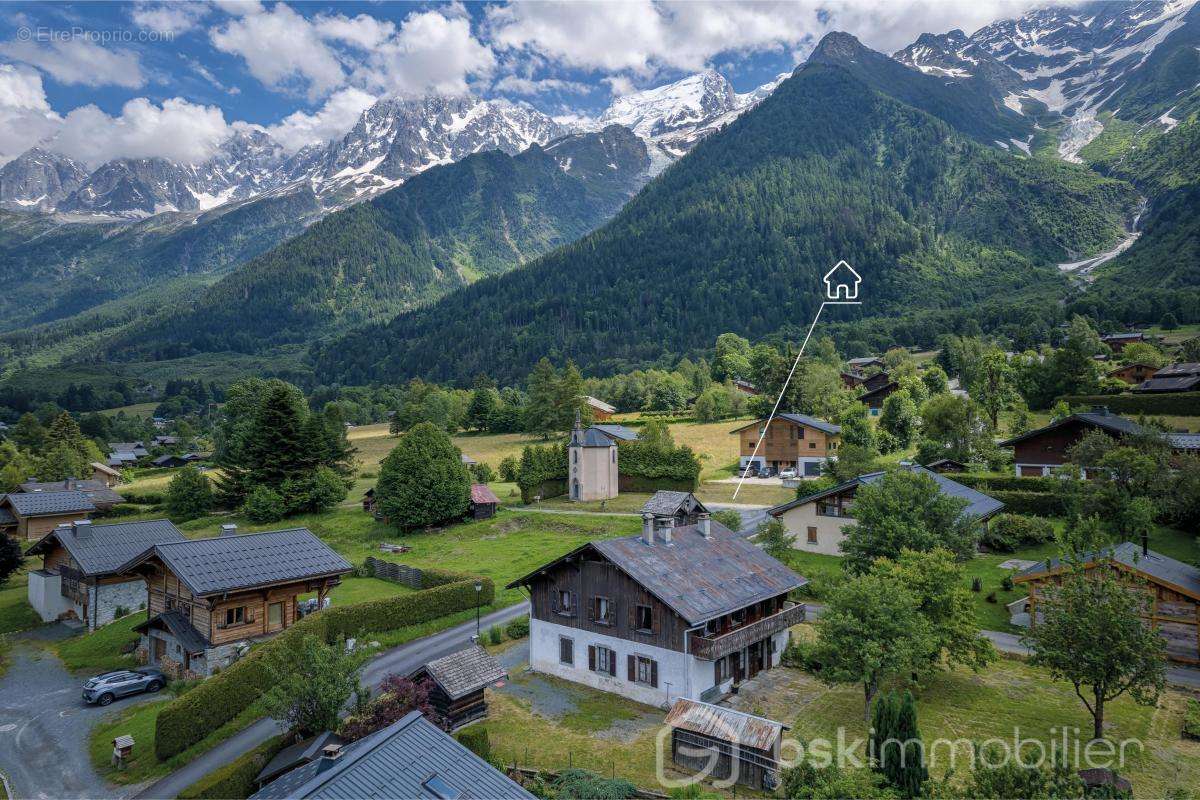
<point x="101" y="80"/>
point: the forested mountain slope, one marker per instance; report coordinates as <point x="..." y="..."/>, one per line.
<point x="736" y="236"/>
<point x="440" y="230"/>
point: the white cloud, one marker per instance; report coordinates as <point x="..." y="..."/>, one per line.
<point x="430" y="53"/>
<point x="25" y="115"/>
<point x="362" y="31"/>
<point x="239" y="8"/>
<point x="172" y="18"/>
<point x="281" y="49"/>
<point x="513" y="84"/>
<point x="176" y="130"/>
<point x="79" y="61"/>
<point x="334" y="119"/>
<point x="619" y="85"/>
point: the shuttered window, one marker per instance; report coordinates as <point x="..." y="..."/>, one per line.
<point x="643" y="670"/>
<point x="566" y="651"/>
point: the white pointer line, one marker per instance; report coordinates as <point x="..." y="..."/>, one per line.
<point x="783" y="391"/>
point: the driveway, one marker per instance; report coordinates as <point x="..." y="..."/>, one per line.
<point x="44" y="726"/>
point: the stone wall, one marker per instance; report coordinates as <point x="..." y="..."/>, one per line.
<point x="106" y="598"/>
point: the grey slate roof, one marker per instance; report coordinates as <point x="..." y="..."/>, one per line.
<point x="297" y="755"/>
<point x="106" y="548"/>
<point x="665" y="504"/>
<point x="1184" y="441"/>
<point x="590" y="437"/>
<point x="227" y="563"/>
<point x="617" y="432"/>
<point x="396" y="762"/>
<point x="979" y="505"/>
<point x="799" y="419"/>
<point x="1166" y="569"/>
<point x="190" y="639"/>
<point x="699" y="579"/>
<point x="6" y="517"/>
<point x="1105" y="420"/>
<point x="44" y="504"/>
<point x="1179" y="383"/>
<point x="96" y="490"/>
<point x="137" y="448"/>
<point x="1178" y="370"/>
<point x="464" y="672"/>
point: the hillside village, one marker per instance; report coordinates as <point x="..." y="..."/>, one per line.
<point x="598" y="401"/>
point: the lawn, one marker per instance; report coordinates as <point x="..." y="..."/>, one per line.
<point x="136" y="410"/>
<point x="15" y="612"/>
<point x="100" y="650"/>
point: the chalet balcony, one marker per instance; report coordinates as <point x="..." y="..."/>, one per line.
<point x="712" y="647"/>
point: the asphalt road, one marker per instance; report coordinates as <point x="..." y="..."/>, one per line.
<point x="402" y="660"/>
<point x="44" y="727"/>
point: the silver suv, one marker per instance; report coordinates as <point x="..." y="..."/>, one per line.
<point x="103" y="689"/>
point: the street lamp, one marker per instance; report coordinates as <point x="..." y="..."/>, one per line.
<point x="478" y="594"/>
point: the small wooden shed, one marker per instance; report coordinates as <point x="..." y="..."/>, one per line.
<point x="483" y="501"/>
<point x="745" y="747"/>
<point x="459" y="680"/>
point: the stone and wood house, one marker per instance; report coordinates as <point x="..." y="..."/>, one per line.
<point x="817" y="521"/>
<point x="793" y="441"/>
<point x="679" y="611"/>
<point x="208" y="597"/>
<point x="80" y="576"/>
<point x="1170" y="589"/>
<point x="459" y="681"/>
<point x="31" y="515"/>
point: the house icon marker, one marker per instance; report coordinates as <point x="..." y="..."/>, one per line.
<point x="841" y="282"/>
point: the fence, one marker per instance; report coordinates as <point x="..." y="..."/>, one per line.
<point x="399" y="573"/>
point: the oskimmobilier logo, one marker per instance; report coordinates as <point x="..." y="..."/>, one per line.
<point x="719" y="754"/>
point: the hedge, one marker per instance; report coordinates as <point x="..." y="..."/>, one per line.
<point x="1040" y="504"/>
<point x="143" y="498"/>
<point x="235" y="780"/>
<point x="219" y="699"/>
<point x="639" y="459"/>
<point x="636" y="483"/>
<point x="1183" y="404"/>
<point x="1006" y="483"/>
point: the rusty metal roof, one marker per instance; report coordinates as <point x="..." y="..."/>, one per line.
<point x="725" y="724"/>
<point x="481" y="494"/>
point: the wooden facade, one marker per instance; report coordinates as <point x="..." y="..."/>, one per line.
<point x="1132" y="374"/>
<point x="785" y="442"/>
<point x="34" y="528"/>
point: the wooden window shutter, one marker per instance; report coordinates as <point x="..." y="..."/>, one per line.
<point x="655" y="621"/>
<point x="631" y="661"/>
<point x="591" y="656"/>
<point x="716" y="671"/>
<point x="592" y="609"/>
<point x="612" y="663"/>
<point x="554" y="599"/>
<point x="633" y="616"/>
<point x="653" y="674"/>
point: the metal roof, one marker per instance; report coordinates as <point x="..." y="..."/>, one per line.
<point x="464" y="672"/>
<point x="482" y="494"/>
<point x="1103" y="419"/>
<point x="1134" y="335"/>
<point x="1155" y="565"/>
<point x="888" y="387"/>
<point x="664" y="503"/>
<point x="1176" y="370"/>
<point x="599" y="404"/>
<point x="979" y="505"/>
<point x="589" y="437"/>
<point x="798" y="419"/>
<point x="397" y="762"/>
<point x="190" y="639"/>
<point x="137" y="448"/>
<point x="46" y="504"/>
<point x="864" y="360"/>
<point x="104" y="549"/>
<point x="617" y="432"/>
<point x="96" y="490"/>
<point x="296" y="755"/>
<point x="725" y="724"/>
<point x="1179" y="383"/>
<point x="698" y="578"/>
<point x="107" y="470"/>
<point x="240" y="561"/>
<point x="1184" y="441"/>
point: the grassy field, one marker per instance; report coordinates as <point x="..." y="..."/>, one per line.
<point x="145" y="410"/>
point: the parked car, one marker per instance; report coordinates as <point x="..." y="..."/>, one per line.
<point x="105" y="688"/>
<point x="790" y="472"/>
<point x="765" y="472"/>
<point x="750" y="471"/>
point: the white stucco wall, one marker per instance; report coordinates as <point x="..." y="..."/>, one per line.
<point x="829" y="529"/>
<point x="595" y="468"/>
<point x="45" y="595"/>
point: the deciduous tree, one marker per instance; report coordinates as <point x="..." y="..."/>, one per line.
<point x="423" y="480"/>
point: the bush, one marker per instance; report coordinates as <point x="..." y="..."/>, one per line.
<point x="1006" y="583"/>
<point x="482" y="472"/>
<point x="495" y="635"/>
<point x="518" y="628"/>
<point x="976" y="584"/>
<point x="235" y="780"/>
<point x="1041" y="504"/>
<point x="222" y="697"/>
<point x="188" y="495"/>
<point x="144" y="498"/>
<point x="729" y="518"/>
<point x="1191" y="720"/>
<point x="1009" y="532"/>
<point x="579" y="784"/>
<point x="1010" y="483"/>
<point x="647" y="460"/>
<point x="423" y="481"/>
<point x="509" y="467"/>
<point x="802" y="655"/>
<point x="264" y="504"/>
<point x="122" y="510"/>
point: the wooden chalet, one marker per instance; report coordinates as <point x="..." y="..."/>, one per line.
<point x="873" y="398"/>
<point x="726" y="743"/>
<point x="680" y="611"/>
<point x="1119" y="341"/>
<point x="459" y="680"/>
<point x="31" y="515"/>
<point x="1133" y="374"/>
<point x="105" y="474"/>
<point x="483" y="502"/>
<point x="745" y="387"/>
<point x="1171" y="590"/>
<point x="1036" y="453"/>
<point x="1184" y="377"/>
<point x="795" y="441"/>
<point x="208" y="596"/>
<point x="98" y="492"/>
<point x="601" y="411"/>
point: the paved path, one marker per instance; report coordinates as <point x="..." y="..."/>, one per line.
<point x="403" y="660"/>
<point x="44" y="727"/>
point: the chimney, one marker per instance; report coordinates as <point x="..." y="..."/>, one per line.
<point x="330" y="753"/>
<point x="648" y="529"/>
<point x="229" y="529"/>
<point x="70" y="482"/>
<point x="704" y="523"/>
<point x="82" y="528"/>
<point x="1145" y="544"/>
<point x="666" y="527"/>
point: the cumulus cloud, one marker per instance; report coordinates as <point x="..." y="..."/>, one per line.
<point x="79" y="61"/>
<point x="25" y="115"/>
<point x="363" y="31"/>
<point x="282" y="49"/>
<point x="431" y="52"/>
<point x="172" y="18"/>
<point x="176" y="130"/>
<point x="335" y="118"/>
<point x="513" y="84"/>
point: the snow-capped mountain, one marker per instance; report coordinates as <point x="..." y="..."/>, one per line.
<point x="676" y="116"/>
<point x="1073" y="62"/>
<point x="38" y="179"/>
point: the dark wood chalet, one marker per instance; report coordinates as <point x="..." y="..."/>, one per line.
<point x="679" y="611"/>
<point x="726" y="743"/>
<point x="459" y="681"/>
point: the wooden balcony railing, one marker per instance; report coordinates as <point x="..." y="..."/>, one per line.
<point x="710" y="648"/>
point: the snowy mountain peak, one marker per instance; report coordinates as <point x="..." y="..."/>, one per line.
<point x="38" y="179"/>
